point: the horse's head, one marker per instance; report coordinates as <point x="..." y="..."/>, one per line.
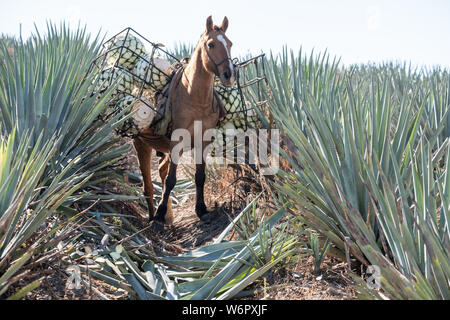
<point x="216" y="52"/>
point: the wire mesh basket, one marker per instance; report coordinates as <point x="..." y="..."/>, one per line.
<point x="245" y="102"/>
<point x="246" y="105"/>
<point x="140" y="69"/>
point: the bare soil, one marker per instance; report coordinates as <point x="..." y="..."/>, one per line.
<point x="297" y="282"/>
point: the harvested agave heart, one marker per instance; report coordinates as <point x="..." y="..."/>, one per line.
<point x="230" y="98"/>
<point x="127" y="48"/>
<point x="141" y="119"/>
<point x="155" y="72"/>
<point x="107" y="77"/>
<point x="241" y="116"/>
<point x="228" y="127"/>
<point x="249" y="118"/>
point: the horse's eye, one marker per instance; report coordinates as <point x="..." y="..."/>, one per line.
<point x="211" y="45"/>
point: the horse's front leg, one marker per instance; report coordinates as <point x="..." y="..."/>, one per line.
<point x="169" y="184"/>
<point x="200" y="206"/>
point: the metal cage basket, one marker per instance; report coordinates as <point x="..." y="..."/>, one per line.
<point x="246" y="104"/>
<point x="246" y="101"/>
<point x="141" y="69"/>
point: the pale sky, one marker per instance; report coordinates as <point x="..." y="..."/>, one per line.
<point x="356" y="31"/>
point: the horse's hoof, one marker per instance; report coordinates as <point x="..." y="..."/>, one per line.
<point x="203" y="213"/>
<point x="157" y="226"/>
<point x="206" y="217"/>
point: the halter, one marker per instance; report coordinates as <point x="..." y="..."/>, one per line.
<point x="216" y="65"/>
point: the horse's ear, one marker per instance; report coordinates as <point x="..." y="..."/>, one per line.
<point x="209" y="24"/>
<point x="224" y="25"/>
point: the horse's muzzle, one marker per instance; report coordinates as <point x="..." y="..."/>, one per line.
<point x="227" y="78"/>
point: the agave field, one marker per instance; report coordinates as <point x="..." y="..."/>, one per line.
<point x="366" y="153"/>
<point x="369" y="160"/>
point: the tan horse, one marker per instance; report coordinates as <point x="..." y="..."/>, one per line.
<point x="191" y="98"/>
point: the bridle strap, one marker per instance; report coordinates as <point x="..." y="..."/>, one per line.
<point x="216" y="65"/>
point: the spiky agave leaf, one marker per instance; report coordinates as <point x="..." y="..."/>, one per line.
<point x="217" y="271"/>
<point x="181" y="51"/>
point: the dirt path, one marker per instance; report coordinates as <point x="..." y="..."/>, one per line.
<point x="291" y="282"/>
<point x="186" y="229"/>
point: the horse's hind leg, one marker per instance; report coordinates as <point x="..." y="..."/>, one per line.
<point x="144" y="154"/>
<point x="164" y="163"/>
<point x="169" y="184"/>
